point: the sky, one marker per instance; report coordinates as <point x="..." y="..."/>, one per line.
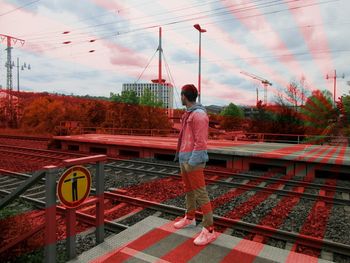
<point x="92" y="47"/>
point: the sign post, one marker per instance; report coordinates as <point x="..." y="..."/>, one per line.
<point x="70" y="233"/>
<point x="72" y="189"/>
<point x="50" y="214"/>
<point x="100" y="232"/>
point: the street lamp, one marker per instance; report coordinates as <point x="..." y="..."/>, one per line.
<point x="200" y="30"/>
<point x="23" y="67"/>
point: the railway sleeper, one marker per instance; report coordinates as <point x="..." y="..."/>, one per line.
<point x="35" y="189"/>
<point x="37" y="194"/>
<point x="11" y="185"/>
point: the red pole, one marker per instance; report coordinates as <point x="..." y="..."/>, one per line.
<point x="50" y="214"/>
<point x="70" y="232"/>
<point x="200" y="30"/>
<point x="160" y="57"/>
<point x="335" y="84"/>
<point x="199" y="69"/>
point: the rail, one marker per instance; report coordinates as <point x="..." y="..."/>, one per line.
<point x="308" y="241"/>
<point x="25" y="136"/>
<point x="267" y="231"/>
<point x="262" y="189"/>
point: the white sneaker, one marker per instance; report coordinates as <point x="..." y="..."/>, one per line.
<point x="184" y="222"/>
<point x="205" y="237"/>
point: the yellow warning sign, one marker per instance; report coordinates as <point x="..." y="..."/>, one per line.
<point x="74" y="186"/>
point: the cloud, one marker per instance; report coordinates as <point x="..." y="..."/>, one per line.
<point x="125" y="60"/>
<point x="230" y="45"/>
<point x="124" y="57"/>
<point x="183" y="56"/>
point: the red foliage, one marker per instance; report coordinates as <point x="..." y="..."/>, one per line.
<point x="44" y="112"/>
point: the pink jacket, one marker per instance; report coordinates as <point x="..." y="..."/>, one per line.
<point x="192" y="144"/>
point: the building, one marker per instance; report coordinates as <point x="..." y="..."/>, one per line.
<point x="164" y="91"/>
<point x="249" y="111"/>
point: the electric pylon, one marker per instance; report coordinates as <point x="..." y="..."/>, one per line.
<point x="9" y="112"/>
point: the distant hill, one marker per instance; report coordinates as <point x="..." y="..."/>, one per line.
<point x="214" y="109"/>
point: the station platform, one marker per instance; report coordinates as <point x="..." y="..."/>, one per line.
<point x="156" y="240"/>
<point x="295" y="159"/>
<point x="154" y="142"/>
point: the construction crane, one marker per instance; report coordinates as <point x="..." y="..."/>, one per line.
<point x="263" y="81"/>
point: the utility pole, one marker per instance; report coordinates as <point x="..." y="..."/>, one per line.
<point x="10" y="40"/>
<point x="18" y="74"/>
<point x="302" y="82"/>
<point x="9" y="65"/>
<point x="335" y="77"/>
<point x="23" y="66"/>
<point x="200" y="30"/>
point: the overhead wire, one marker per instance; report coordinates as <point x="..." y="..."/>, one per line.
<point x="176" y="22"/>
<point x="151" y="27"/>
<point x="204" y="62"/>
<point x="133" y="31"/>
<point x="119" y="32"/>
<point x="130" y="18"/>
<point x="20" y="7"/>
<point x="240" y="58"/>
<point x="105" y="36"/>
<point x="146" y="67"/>
<point x="165" y="24"/>
<point x="85" y="19"/>
<point x="171" y="78"/>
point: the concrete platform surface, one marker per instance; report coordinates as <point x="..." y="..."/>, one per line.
<point x="156" y="240"/>
<point x="282" y="151"/>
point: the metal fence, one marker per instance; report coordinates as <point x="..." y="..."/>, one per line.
<point x="51" y="207"/>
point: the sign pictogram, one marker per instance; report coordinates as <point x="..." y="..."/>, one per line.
<point x="74" y="186"/>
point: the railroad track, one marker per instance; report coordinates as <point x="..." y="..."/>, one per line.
<point x="25" y="137"/>
<point x="35" y="196"/>
<point x="238" y="224"/>
<point x="81" y="217"/>
<point x="223" y="178"/>
<point x="61" y="155"/>
<point x="134" y="164"/>
<point x="38" y="153"/>
<point x="40" y="142"/>
<point x="139" y="166"/>
<point x="24" y="159"/>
